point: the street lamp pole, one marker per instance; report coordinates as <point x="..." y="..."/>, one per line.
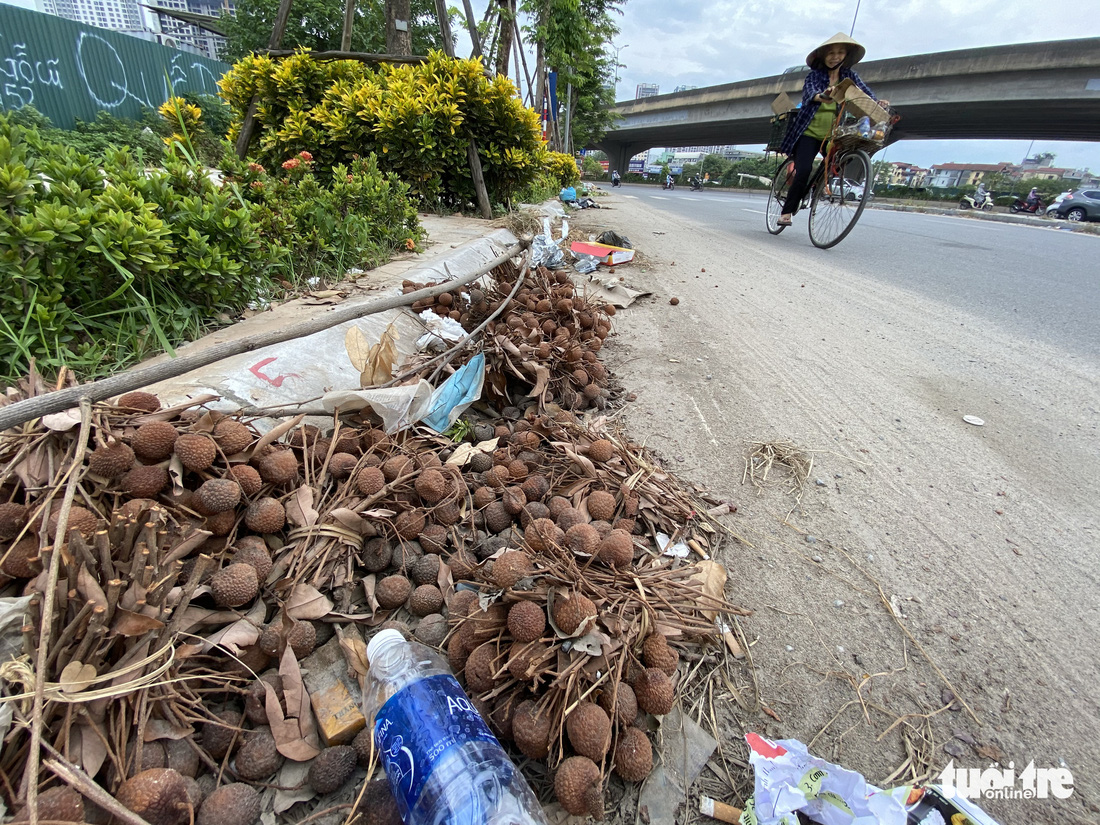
<point x="618" y="65"/>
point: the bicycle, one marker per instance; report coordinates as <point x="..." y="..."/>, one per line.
<point x="840" y="185"/>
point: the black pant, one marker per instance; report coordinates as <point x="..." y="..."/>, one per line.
<point x="803" y="154"/>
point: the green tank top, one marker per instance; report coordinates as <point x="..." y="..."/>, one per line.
<point x="822" y="122"/>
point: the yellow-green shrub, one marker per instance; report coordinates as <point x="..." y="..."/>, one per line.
<point x="418" y="120"/>
<point x="564" y="168"/>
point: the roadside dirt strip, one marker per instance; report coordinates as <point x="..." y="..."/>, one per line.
<point x="927" y="593"/>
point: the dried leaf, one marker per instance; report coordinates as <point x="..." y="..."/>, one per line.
<point x="176" y="473"/>
<point x="241" y="633"/>
<point x="307" y="603"/>
<point x="585" y="464"/>
<point x="133" y="624"/>
<point x="275" y="433"/>
<point x="299" y="507"/>
<point x="542" y="379"/>
<point x="63" y="421"/>
<point x="87" y="586"/>
<point x="292" y="786"/>
<point x="34" y="469"/>
<point x="86" y="748"/>
<point x="76" y="677"/>
<point x="378" y="368"/>
<point x="711" y="578"/>
<point x="355" y="652"/>
<point x="295" y="732"/>
<point x="369" y="584"/>
<point x="163" y="729"/>
<point x="358" y="347"/>
<point x="348" y="518"/>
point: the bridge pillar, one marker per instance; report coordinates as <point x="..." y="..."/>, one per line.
<point x="620" y="153"/>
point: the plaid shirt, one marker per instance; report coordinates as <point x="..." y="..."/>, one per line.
<point x="817" y="81"/>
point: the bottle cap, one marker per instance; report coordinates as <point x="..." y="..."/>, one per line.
<point x="383" y="640"/>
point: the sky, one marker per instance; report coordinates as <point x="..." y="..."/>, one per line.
<point x="710" y="42"/>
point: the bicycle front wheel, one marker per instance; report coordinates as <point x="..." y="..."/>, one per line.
<point x="839" y="198"/>
<point x="781" y="184"/>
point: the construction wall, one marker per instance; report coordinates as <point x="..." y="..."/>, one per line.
<point x="71" y="71"/>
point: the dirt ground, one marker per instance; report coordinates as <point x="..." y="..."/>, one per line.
<point x="931" y="593"/>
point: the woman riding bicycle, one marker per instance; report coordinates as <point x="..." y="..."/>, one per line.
<point x="829" y="63"/>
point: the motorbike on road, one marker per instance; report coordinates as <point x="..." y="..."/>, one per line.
<point x="669" y="186"/>
<point x="1033" y="208"/>
<point x="970" y="202"/>
<point x="696" y="185"/>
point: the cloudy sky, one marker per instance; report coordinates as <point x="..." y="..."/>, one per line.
<point x="709" y="42"/>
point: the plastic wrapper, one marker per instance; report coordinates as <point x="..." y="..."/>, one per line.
<point x="586" y="264"/>
<point x="612" y="238"/>
<point x="442" y="333"/>
<point x="545" y="251"/>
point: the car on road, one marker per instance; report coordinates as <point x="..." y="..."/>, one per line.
<point x="1080" y="205"/>
<point x="1054" y="204"/>
<point x="853" y="190"/>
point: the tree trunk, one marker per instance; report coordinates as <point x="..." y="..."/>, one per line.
<point x="349" y="21"/>
<point x="471" y="24"/>
<point x="540" y="65"/>
<point x="397" y="41"/>
<point x="249" y="123"/>
<point x="507" y="28"/>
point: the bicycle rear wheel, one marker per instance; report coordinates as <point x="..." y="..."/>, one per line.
<point x="781" y="184"/>
<point x="839" y="198"/>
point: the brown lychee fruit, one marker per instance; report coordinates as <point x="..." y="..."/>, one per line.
<point x="378" y="806"/>
<point x="247" y="477"/>
<point x="657" y="653"/>
<point x="195" y="451"/>
<point x="221" y="524"/>
<point x="265" y="515"/>
<point x="219" y="736"/>
<point x="432" y="629"/>
<point x="218" y="495"/>
<point x="158" y="795"/>
<point x="463" y="565"/>
<point x="510" y="567"/>
<point x="583" y="539"/>
<point x="633" y="755"/>
<point x="497" y="518"/>
<point x="138" y="401"/>
<point x="60" y="804"/>
<point x="601" y="505"/>
<point x="302" y="638"/>
<point x="396" y="467"/>
<point x="589" y="730"/>
<point x="235" y="585"/>
<point x="557" y="504"/>
<point x="377" y="554"/>
<point x="484" y="496"/>
<point x="531" y="730"/>
<point x="525" y="659"/>
<point x="617" y="549"/>
<point x="601" y="450"/>
<point x="80" y="519"/>
<point x="447" y="513"/>
<point x="278" y="467"/>
<point x="433" y="538"/>
<point x="252" y="550"/>
<point x="331" y="768"/>
<point x="498" y="477"/>
<point x="364" y="745"/>
<point x="392" y="591"/>
<point x="13" y="517"/>
<point x="154" y="441"/>
<point x="625" y="705"/>
<point x="461" y="603"/>
<point x="144" y="481"/>
<point x="574" y="614"/>
<point x="232" y="436"/>
<point x="569" y="517"/>
<point x="258" y="758"/>
<point x="514" y="500"/>
<point x="341" y="465"/>
<point x="425" y="599"/>
<point x="479" y="668"/>
<point x="457" y="652"/>
<point x="578" y="787"/>
<point x="255" y="703"/>
<point x="425" y="570"/>
<point x="409" y="524"/>
<point x="111" y="460"/>
<point x="526" y="621"/>
<point x="542" y="534"/>
<point x="654" y="692"/>
<point x="431" y="486"/>
<point x="370" y="480"/>
<point x="22" y="560"/>
<point x="232" y="804"/>
<point x="535" y="487"/>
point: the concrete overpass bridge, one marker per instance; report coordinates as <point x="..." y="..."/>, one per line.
<point x="1040" y="91"/>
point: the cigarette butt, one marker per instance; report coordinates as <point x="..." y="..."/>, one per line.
<point x="719" y="810"/>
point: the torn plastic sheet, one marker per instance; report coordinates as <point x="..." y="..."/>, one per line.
<point x="401" y="407"/>
<point x="586" y="264"/>
<point x="13" y="612"/>
<point x="788" y="780"/>
<point x="442" y="332"/>
<point x="545" y="251"/>
<point x="611" y="291"/>
<point x="679" y="549"/>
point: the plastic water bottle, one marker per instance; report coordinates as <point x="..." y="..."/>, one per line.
<point x="443" y="763"/>
<point x="864" y="126"/>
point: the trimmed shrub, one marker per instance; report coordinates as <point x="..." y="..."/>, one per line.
<point x="416" y="119"/>
<point x="564" y="168"/>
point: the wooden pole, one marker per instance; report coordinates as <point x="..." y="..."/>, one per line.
<point x="523" y="59"/>
<point x="398" y="27"/>
<point x="472" y="26"/>
<point x="349" y="20"/>
<point x="21" y="412"/>
<point x="507" y="34"/>
<point x="249" y="122"/>
<point x="445" y="27"/>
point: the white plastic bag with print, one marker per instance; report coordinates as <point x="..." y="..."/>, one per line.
<point x="788" y="779"/>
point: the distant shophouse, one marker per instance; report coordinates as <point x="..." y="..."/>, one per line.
<point x="957" y="175"/>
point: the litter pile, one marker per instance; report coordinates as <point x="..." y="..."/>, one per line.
<point x="201" y="560"/>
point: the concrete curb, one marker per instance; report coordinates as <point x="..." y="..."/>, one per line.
<point x="998" y="217"/>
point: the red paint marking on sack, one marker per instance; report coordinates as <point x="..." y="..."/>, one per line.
<point x="275" y="382"/>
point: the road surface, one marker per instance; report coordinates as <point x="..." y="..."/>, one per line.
<point x="981" y="540"/>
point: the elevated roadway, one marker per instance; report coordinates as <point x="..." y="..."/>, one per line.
<point x="1029" y="91"/>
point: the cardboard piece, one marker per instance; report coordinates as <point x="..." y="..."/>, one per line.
<point x="782" y="103"/>
<point x="611" y="255"/>
<point x="334" y="695"/>
<point x="859" y="102"/>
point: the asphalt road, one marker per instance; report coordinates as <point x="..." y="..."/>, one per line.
<point x="927" y="557"/>
<point x="1039" y="283"/>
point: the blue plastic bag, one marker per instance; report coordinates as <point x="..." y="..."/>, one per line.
<point x="568" y="195"/>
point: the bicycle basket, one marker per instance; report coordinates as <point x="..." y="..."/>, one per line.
<point x="779" y="131"/>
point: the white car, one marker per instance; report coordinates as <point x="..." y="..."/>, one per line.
<point x="1050" y="210"/>
<point x="853" y="191"/>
